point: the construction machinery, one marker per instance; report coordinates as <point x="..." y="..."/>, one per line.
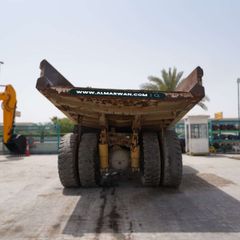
<point x="120" y="130"/>
<point x="16" y="144"/>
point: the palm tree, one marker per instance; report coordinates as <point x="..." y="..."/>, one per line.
<point x="168" y="82"/>
<point x="202" y="103"/>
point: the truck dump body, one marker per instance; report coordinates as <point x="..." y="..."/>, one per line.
<point x="154" y="109"/>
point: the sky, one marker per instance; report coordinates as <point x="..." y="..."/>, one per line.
<point x="118" y="44"/>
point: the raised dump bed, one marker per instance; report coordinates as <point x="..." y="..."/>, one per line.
<point x="118" y="130"/>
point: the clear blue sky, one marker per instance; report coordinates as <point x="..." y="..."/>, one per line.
<point x="118" y="44"/>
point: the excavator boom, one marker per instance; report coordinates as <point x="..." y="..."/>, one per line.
<point x="15" y="143"/>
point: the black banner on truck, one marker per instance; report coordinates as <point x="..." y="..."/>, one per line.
<point x="116" y="93"/>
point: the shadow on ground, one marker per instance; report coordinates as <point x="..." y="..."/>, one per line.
<point x="10" y="158"/>
<point x="198" y="206"/>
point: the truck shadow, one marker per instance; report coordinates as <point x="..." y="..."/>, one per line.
<point x="198" y="206"/>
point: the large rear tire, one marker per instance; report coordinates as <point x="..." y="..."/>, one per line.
<point x="67" y="161"/>
<point x="88" y="163"/>
<point x="172" y="159"/>
<point x="151" y="160"/>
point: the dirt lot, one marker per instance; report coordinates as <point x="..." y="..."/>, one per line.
<point x="33" y="204"/>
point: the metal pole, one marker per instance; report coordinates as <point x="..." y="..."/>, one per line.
<point x="1" y="63"/>
<point x="238" y="82"/>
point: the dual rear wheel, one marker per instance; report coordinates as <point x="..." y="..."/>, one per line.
<point x="161" y="161"/>
<point x="79" y="171"/>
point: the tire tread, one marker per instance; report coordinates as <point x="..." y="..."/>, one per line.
<point x="67" y="161"/>
<point x="151" y="159"/>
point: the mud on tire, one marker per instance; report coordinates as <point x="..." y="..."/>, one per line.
<point x="67" y="161"/>
<point x="88" y="160"/>
<point x="172" y="159"/>
<point x="151" y="159"/>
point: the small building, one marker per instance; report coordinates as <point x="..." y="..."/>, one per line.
<point x="196" y="135"/>
<point x="224" y="135"/>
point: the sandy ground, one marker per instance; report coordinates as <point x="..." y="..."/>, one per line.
<point x="34" y="205"/>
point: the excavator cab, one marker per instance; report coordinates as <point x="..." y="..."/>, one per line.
<point x="16" y="144"/>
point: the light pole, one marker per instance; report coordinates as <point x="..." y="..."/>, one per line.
<point x="238" y="82"/>
<point x="1" y="63"/>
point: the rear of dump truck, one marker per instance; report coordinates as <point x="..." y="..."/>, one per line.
<point x="120" y="131"/>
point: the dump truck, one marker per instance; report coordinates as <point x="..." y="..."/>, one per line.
<point x="120" y="130"/>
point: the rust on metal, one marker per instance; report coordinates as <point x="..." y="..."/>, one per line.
<point x="119" y="107"/>
<point x="193" y="83"/>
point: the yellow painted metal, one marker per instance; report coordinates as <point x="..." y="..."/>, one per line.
<point x="135" y="152"/>
<point x="103" y="136"/>
<point x="103" y="150"/>
<point x="212" y="149"/>
<point x="103" y="153"/>
<point x="218" y="115"/>
<point x="9" y="107"/>
<point x="135" y="157"/>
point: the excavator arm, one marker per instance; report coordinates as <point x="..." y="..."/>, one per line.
<point x="9" y="107"/>
<point x="15" y="143"/>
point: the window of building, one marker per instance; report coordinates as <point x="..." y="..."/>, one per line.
<point x="199" y="131"/>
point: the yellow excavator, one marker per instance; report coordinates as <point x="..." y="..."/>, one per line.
<point x="16" y="144"/>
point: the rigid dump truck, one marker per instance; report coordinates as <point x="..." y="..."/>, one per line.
<point x="120" y="131"/>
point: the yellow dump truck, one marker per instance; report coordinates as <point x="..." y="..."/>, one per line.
<point x="119" y="130"/>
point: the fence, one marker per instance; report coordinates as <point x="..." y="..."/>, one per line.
<point x="42" y="139"/>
